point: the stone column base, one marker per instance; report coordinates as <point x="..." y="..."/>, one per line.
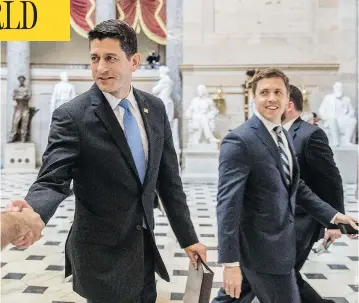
<point x="20" y="157"/>
<point x="201" y="164"/>
<point x="346" y="159"/>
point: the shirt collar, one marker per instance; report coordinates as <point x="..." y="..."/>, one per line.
<point x="115" y="102"/>
<point x="289" y="124"/>
<point x="268" y="124"/>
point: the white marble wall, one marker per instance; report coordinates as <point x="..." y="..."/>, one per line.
<point x="313" y="77"/>
<point x="42" y="83"/>
<point x="313" y="41"/>
<point x="76" y="51"/>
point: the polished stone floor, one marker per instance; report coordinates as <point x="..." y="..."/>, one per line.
<point x="36" y="274"/>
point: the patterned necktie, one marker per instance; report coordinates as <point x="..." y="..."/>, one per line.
<point x="283" y="155"/>
<point x="134" y="140"/>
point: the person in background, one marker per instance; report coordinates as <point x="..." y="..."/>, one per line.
<point x="320" y="173"/>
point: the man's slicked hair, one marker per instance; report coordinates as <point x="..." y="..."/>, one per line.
<point x="266" y="74"/>
<point x="119" y="30"/>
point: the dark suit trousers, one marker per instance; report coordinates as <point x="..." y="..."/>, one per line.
<point x="307" y="230"/>
<point x="267" y="288"/>
<point x="149" y="293"/>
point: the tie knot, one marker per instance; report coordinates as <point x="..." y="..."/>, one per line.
<point x="277" y="129"/>
<point x="124" y="103"/>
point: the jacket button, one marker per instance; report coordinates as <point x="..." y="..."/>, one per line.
<point x="138" y="227"/>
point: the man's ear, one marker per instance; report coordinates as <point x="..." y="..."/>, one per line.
<point x="136" y="61"/>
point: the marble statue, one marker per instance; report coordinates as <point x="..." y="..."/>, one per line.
<point x="338" y="116"/>
<point x="307" y="117"/>
<point x="62" y="93"/>
<point x="20" y="126"/>
<point x="163" y="90"/>
<point x="201" y="113"/>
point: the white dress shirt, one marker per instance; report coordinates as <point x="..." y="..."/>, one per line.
<point x="269" y="126"/>
<point x="289" y="124"/>
<point x="120" y="111"/>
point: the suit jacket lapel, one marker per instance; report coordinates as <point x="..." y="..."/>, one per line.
<point x="295" y="173"/>
<point x="295" y="126"/>
<point x="144" y="109"/>
<point x="105" y="113"/>
<point x="291" y="139"/>
<point x="263" y="134"/>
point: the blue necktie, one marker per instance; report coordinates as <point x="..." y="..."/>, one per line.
<point x="133" y="135"/>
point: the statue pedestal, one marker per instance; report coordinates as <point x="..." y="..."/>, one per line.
<point x="346" y="159"/>
<point x="20" y="157"/>
<point x="201" y="164"/>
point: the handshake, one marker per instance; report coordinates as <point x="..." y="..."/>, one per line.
<point x="20" y="225"/>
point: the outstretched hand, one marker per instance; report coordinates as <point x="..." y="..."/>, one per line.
<point x="29" y="224"/>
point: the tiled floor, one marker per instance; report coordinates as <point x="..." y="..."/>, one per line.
<point x="36" y="274"/>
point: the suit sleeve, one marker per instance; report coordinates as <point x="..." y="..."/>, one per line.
<point x="320" y="160"/>
<point x="170" y="190"/>
<point x="319" y="157"/>
<point x="313" y="205"/>
<point x="53" y="181"/>
<point x="234" y="169"/>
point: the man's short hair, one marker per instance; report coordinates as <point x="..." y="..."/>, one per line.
<point x="296" y="97"/>
<point x="269" y="73"/>
<point x="21" y="77"/>
<point x="119" y="30"/>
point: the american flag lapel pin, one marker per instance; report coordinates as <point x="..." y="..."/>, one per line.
<point x="145" y="110"/>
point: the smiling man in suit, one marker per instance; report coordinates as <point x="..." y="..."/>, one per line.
<point x="115" y="142"/>
<point x="258" y="186"/>
<point x="319" y="171"/>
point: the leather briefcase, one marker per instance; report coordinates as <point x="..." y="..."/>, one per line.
<point x="199" y="283"/>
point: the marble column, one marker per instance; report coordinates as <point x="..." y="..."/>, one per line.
<point x="105" y="10"/>
<point x="174" y="46"/>
<point x="18" y="63"/>
<point x="357" y="59"/>
<point x="174" y="55"/>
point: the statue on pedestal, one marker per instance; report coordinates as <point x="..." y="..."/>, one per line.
<point x="23" y="113"/>
<point x="163" y="90"/>
<point x="201" y="114"/>
<point x="338" y="116"/>
<point x="63" y="92"/>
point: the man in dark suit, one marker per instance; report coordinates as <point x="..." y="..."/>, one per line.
<point x="319" y="171"/>
<point x="258" y="186"/>
<point x="115" y="142"/>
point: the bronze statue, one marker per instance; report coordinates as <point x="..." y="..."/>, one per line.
<point x="20" y="129"/>
<point x="249" y="106"/>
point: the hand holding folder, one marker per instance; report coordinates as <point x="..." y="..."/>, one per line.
<point x="199" y="283"/>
